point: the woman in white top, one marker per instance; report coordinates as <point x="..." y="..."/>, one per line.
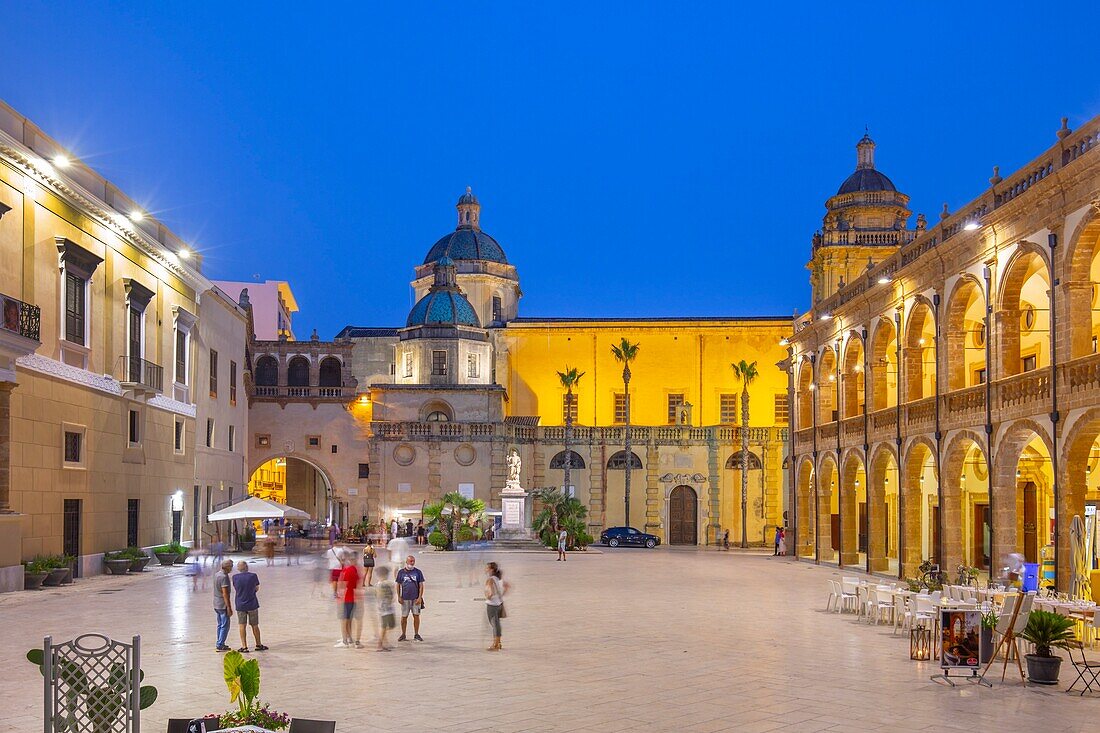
<point x="495" y="588"/>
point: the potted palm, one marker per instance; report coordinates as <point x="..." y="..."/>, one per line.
<point x="1046" y="630"/>
<point x="34" y="573"/>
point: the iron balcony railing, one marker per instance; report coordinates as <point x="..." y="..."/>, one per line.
<point x="21" y="318"/>
<point x="137" y="371"/>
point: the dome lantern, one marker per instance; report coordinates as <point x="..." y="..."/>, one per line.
<point x="469" y="210"/>
<point x="865" y="153"/>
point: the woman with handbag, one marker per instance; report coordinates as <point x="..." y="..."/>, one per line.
<point x="495" y="588"/>
<point x="368" y="561"/>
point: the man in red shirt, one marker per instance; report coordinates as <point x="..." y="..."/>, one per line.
<point x="347" y="585"/>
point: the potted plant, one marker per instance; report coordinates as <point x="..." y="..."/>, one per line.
<point x="34" y="573"/>
<point x="60" y="571"/>
<point x="138" y="559"/>
<point x="246" y="540"/>
<point x="1046" y="630"/>
<point x="242" y="677"/>
<point x="117" y="563"/>
<point x="989" y="622"/>
<point x="166" y="554"/>
<point x="181" y="552"/>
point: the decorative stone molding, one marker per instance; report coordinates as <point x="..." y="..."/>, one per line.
<point x="76" y="375"/>
<point x="163" y="402"/>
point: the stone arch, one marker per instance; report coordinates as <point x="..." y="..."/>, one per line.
<point x="826" y="477"/>
<point x="436" y="411"/>
<point x="952" y="499"/>
<point x="920" y="350"/>
<point x="330" y="372"/>
<point x="297" y="371"/>
<point x="1081" y="285"/>
<point x="917" y="482"/>
<point x="826" y="386"/>
<point x="883" y="465"/>
<point x="575" y="460"/>
<point x="964" y="332"/>
<point x="734" y="461"/>
<point x="884" y="364"/>
<point x="256" y="462"/>
<point x="1025" y="286"/>
<point x="853" y="488"/>
<point x="267" y="371"/>
<point x="806" y="523"/>
<point x="1080" y="467"/>
<point x="805" y="394"/>
<point x="1006" y="493"/>
<point x="853" y="377"/>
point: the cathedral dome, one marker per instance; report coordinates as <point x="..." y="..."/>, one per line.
<point x="445" y="304"/>
<point x="866" y="179"/>
<point x="467" y="241"/>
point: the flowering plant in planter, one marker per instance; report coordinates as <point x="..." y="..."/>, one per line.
<point x="261" y="716"/>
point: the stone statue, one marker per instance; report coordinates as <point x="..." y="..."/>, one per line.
<point x="514" y="465"/>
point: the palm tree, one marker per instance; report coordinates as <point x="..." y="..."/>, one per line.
<point x="569" y="379"/>
<point x="560" y="511"/>
<point x="746" y="373"/>
<point x="452" y="515"/>
<point x="625" y="352"/>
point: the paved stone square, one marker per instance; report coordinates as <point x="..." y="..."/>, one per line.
<point x="664" y="640"/>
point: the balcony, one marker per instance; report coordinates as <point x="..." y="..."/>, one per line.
<point x="140" y="375"/>
<point x="19" y="330"/>
<point x="309" y="392"/>
<point x="640" y="436"/>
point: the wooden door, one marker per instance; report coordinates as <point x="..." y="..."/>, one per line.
<point x="1031" y="526"/>
<point x="834" y="532"/>
<point x="979" y="550"/>
<point x="862" y="528"/>
<point x="682" y="514"/>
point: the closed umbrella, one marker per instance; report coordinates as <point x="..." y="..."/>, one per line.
<point x="1080" y="587"/>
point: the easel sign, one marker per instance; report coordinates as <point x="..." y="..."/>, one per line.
<point x="960" y="644"/>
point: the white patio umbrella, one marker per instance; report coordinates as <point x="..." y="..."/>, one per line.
<point x="256" y="508"/>
<point x="1080" y="585"/>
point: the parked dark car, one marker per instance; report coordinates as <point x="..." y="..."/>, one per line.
<point x="628" y="537"/>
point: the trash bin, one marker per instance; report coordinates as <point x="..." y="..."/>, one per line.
<point x="1031" y="577"/>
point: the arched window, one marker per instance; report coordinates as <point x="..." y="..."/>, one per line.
<point x="330" y="372"/>
<point x="618" y="460"/>
<point x="575" y="460"/>
<point x="734" y="462"/>
<point x="297" y="372"/>
<point x="438" y="416"/>
<point x="267" y="371"/>
<point x="436" y="411"/>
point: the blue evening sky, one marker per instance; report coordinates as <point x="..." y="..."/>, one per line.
<point x="634" y="159"/>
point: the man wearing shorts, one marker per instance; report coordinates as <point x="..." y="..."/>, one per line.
<point x="563" y="538"/>
<point x="410" y="587"/>
<point x="349" y="582"/>
<point x="245" y="586"/>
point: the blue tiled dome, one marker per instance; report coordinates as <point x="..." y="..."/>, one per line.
<point x="467" y="243"/>
<point x="443" y="306"/>
<point x="866" y="179"/>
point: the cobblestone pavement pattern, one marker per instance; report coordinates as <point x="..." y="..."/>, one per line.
<point x="665" y="640"/>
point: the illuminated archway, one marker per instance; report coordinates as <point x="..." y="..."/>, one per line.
<point x="1080" y="484"/>
<point x="884" y="365"/>
<point x="882" y="520"/>
<point x="293" y="481"/>
<point x="964" y="511"/>
<point x="826" y="387"/>
<point x="1082" y="288"/>
<point x="1024" y="318"/>
<point x="1023" y="495"/>
<point x="828" y="511"/>
<point x="807" y="527"/>
<point x="853" y="510"/>
<point x="805" y="395"/>
<point x="920" y="352"/>
<point x="965" y="334"/>
<point x="919" y="506"/>
<point x="853" y="377"/>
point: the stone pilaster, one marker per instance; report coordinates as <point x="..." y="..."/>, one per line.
<point x="714" y="506"/>
<point x="5" y="446"/>
<point x="435" y="475"/>
<point x="1008" y="344"/>
<point x="498" y="470"/>
<point x="597" y="496"/>
<point x="652" y="489"/>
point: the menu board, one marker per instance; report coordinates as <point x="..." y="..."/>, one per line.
<point x="960" y="639"/>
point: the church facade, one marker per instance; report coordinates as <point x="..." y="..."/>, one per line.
<point x="407" y="414"/>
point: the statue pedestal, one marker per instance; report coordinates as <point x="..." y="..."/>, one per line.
<point x="513" y="509"/>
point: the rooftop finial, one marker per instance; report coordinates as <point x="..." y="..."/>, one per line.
<point x="469" y="210"/>
<point x="865" y="152"/>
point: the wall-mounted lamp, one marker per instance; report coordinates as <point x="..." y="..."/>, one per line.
<point x="177" y="501"/>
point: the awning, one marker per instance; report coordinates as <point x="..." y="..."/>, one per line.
<point x="256" y="508"/>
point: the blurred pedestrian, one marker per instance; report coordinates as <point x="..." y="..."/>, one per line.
<point x="782" y="541"/>
<point x="335" y="558"/>
<point x="348" y="584"/>
<point x="269" y="550"/>
<point x="385" y="594"/>
<point x="495" y="588"/>
<point x="223" y="605"/>
<point x="563" y="539"/>
<point x="726" y="540"/>
<point x="409" y="527"/>
<point x="195" y="571"/>
<point x="778" y="537"/>
<point x="421" y="533"/>
<point x="368" y="562"/>
<point x="393" y="528"/>
<point x="246" y="585"/>
<point x="410" y="584"/>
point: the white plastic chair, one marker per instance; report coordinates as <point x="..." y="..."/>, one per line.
<point x="834" y="595"/>
<point x="849" y="594"/>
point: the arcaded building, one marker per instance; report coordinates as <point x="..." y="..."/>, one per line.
<point x="382" y="419"/>
<point x="946" y="382"/>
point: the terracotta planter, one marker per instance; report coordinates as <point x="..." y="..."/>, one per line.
<point x="1043" y="670"/>
<point x="117" y="567"/>
<point x="33" y="581"/>
<point x="56" y="577"/>
<point x="167" y="558"/>
<point x="138" y="565"/>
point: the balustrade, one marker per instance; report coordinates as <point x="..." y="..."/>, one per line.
<point x="921" y="412"/>
<point x="1024" y="389"/>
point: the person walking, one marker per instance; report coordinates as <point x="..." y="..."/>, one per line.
<point x="782" y="541"/>
<point x="421" y="533"/>
<point x="368" y="563"/>
<point x="410" y="584"/>
<point x="563" y="539"/>
<point x="335" y="558"/>
<point x="223" y="605"/>
<point x="778" y="537"/>
<point x="409" y="528"/>
<point x="385" y="595"/>
<point x="348" y="584"/>
<point x="393" y="528"/>
<point x="246" y="585"/>
<point x="495" y="588"/>
<point x="726" y="540"/>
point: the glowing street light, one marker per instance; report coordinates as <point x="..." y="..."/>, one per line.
<point x="61" y="161"/>
<point x="136" y="216"/>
